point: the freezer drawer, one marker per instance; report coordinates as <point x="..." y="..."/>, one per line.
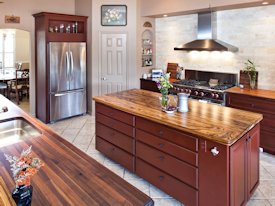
<point x="63" y="105"/>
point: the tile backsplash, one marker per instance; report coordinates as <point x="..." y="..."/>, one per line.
<point x="252" y="30"/>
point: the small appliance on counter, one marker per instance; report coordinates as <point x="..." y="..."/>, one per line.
<point x="156" y="73"/>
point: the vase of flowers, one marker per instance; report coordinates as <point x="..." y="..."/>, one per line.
<point x="250" y="69"/>
<point x="23" y="168"/>
<point x="164" y="85"/>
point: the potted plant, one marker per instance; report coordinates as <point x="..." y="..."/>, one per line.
<point x="250" y="69"/>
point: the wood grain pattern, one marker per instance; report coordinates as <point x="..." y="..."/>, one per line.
<point x="263" y="93"/>
<point x="69" y="177"/>
<point x="212" y="122"/>
<point x="5" y="195"/>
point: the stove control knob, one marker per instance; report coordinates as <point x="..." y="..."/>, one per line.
<point x="182" y="90"/>
<point x="213" y="95"/>
<point x="196" y="93"/>
<point x="186" y="90"/>
<point x="189" y="91"/>
<point x="217" y="96"/>
<point x="201" y="94"/>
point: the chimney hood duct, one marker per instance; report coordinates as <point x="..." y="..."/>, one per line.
<point x="207" y="36"/>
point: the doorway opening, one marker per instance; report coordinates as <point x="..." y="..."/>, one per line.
<point x="15" y="70"/>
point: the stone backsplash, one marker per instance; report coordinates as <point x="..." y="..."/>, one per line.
<point x="252" y="30"/>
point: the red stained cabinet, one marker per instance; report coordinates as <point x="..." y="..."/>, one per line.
<point x="262" y="105"/>
<point x="195" y="171"/>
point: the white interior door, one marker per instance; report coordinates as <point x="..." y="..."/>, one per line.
<point x="113" y="77"/>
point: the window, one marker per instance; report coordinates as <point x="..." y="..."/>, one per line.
<point x="7" y="49"/>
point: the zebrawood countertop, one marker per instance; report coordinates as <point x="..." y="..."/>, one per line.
<point x="212" y="122"/>
<point x="263" y="93"/>
<point x="69" y="177"/>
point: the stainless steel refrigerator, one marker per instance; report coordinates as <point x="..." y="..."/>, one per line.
<point x="67" y="79"/>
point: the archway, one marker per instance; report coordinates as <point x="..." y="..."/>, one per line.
<point x="15" y="54"/>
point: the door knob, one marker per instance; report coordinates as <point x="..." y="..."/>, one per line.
<point x="215" y="151"/>
<point x="103" y="78"/>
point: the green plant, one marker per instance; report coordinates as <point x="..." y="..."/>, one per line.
<point x="164" y="84"/>
<point x="250" y="69"/>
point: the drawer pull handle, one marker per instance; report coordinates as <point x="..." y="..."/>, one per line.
<point x="160" y="132"/>
<point x="215" y="151"/>
<point x="161" y="157"/>
<point x="161" y="145"/>
<point x="161" y="177"/>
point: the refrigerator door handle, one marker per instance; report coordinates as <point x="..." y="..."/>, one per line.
<point x="69" y="92"/>
<point x="72" y="63"/>
<point x="59" y="95"/>
<point x="67" y="64"/>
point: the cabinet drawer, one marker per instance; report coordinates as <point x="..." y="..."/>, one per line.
<point x="115" y="137"/>
<point x="250" y="103"/>
<point x="167" y="183"/>
<point x="115" y="114"/>
<point x="267" y="141"/>
<point x="114" y="124"/>
<point x="168" y="147"/>
<point x="169" y="164"/>
<point x="167" y="133"/>
<point x="115" y="153"/>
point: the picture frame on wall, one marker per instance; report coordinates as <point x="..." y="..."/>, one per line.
<point x="113" y="15"/>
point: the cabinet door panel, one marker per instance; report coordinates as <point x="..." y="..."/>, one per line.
<point x="238" y="172"/>
<point x="253" y="162"/>
<point x="267" y="141"/>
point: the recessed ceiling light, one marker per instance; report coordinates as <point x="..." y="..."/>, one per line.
<point x="265" y="2"/>
<point x="165" y="15"/>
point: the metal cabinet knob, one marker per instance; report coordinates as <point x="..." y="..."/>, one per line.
<point x="103" y="78"/>
<point x="215" y="151"/>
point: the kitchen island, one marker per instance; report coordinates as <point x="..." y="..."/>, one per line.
<point x="207" y="156"/>
<point x="69" y="176"/>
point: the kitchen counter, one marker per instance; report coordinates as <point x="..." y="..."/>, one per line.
<point x="263" y="93"/>
<point x="69" y="177"/>
<point x="211" y="122"/>
<point x="261" y="101"/>
<point x="207" y="156"/>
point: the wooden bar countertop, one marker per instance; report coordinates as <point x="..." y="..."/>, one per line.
<point x="212" y="122"/>
<point x="263" y="93"/>
<point x="69" y="176"/>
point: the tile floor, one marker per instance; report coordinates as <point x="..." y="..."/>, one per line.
<point x="80" y="131"/>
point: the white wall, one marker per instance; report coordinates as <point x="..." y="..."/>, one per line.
<point x="94" y="38"/>
<point x="22" y="46"/>
<point x="25" y="9"/>
<point x="251" y="30"/>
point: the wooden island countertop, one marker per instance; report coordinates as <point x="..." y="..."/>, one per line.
<point x="69" y="176"/>
<point x="216" y="123"/>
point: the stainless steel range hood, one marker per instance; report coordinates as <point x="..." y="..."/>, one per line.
<point x="207" y="36"/>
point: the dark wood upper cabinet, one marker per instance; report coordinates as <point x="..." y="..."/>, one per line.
<point x="47" y="29"/>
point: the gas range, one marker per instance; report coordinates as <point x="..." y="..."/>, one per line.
<point x="201" y="90"/>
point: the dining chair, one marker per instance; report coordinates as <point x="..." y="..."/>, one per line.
<point x="3" y="88"/>
<point x="20" y="85"/>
